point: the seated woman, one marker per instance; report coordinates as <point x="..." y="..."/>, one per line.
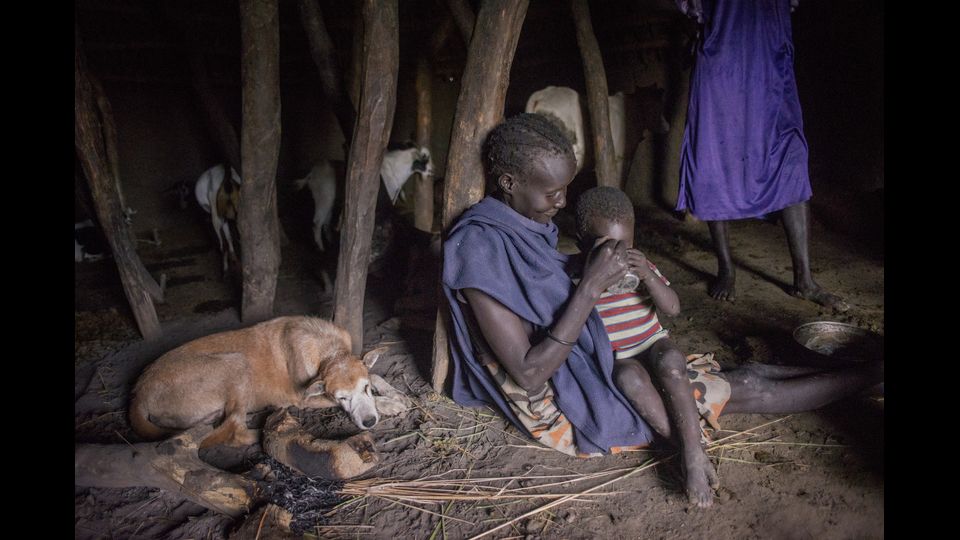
<point x="526" y="339"/>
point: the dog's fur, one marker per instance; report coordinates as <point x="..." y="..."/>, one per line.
<point x="301" y="361"/>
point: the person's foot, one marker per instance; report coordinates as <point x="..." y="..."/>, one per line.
<point x="724" y="287"/>
<point x="818" y="295"/>
<point x="700" y="478"/>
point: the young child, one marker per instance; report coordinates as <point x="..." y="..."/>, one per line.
<point x="668" y="392"/>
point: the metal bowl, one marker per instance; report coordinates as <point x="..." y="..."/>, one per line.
<point x="839" y="341"/>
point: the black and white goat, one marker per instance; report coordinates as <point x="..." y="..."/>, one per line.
<point x="221" y="200"/>
<point x="397" y="167"/>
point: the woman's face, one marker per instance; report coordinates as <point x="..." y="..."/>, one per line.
<point x="542" y="192"/>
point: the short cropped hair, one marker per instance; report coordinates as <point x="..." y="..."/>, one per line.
<point x="602" y="202"/>
<point x="513" y="144"/>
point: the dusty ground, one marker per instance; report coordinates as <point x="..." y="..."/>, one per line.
<point x="812" y="475"/>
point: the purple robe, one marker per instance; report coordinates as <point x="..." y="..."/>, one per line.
<point x="744" y="154"/>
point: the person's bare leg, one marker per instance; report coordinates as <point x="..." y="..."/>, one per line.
<point x="796" y="225"/>
<point x="633" y="380"/>
<point x="754" y="392"/>
<point x="668" y="370"/>
<point x="724" y="288"/>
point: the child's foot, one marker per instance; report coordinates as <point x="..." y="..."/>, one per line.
<point x="818" y="295"/>
<point x="700" y="478"/>
<point x="724" y="287"/>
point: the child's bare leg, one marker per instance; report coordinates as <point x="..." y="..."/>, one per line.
<point x="668" y="369"/>
<point x="753" y="391"/>
<point x="633" y="380"/>
<point x="795" y="223"/>
<point x="724" y="288"/>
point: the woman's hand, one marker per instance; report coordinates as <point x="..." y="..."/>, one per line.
<point x="606" y="265"/>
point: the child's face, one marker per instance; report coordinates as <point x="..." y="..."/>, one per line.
<point x="541" y="193"/>
<point x="600" y="227"/>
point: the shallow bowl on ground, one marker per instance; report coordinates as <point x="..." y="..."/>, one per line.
<point x="839" y="341"/>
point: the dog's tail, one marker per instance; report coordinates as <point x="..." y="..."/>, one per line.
<point x="141" y="423"/>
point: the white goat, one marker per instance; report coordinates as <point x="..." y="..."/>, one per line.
<point x="322" y="181"/>
<point x="397" y="167"/>
<point x="221" y="201"/>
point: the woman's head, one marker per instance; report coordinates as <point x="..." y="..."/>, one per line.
<point x="529" y="162"/>
<point x="604" y="212"/>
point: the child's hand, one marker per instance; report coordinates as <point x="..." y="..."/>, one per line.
<point x="606" y="265"/>
<point x="638" y="263"/>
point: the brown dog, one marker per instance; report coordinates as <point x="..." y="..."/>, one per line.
<point x="301" y="361"/>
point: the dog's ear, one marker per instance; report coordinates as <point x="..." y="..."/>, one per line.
<point x="315" y="388"/>
<point x="372" y="356"/>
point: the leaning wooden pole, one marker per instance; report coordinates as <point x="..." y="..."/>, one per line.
<point x="596" y="79"/>
<point x="464" y="17"/>
<point x="218" y="121"/>
<point x="259" y="149"/>
<point x="91" y="148"/>
<point x="483" y="91"/>
<point x="325" y="57"/>
<point x="423" y="188"/>
<point x="378" y="99"/>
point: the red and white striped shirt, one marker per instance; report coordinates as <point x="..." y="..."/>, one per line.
<point x="631" y="319"/>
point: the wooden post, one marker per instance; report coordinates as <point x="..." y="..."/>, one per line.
<point x="218" y="121"/>
<point x="259" y="148"/>
<point x="91" y="148"/>
<point x="596" y="79"/>
<point x="423" y="188"/>
<point x="463" y="16"/>
<point x="331" y="81"/>
<point x="483" y="91"/>
<point x="378" y="99"/>
<point x="356" y="58"/>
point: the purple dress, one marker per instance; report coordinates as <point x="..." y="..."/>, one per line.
<point x="743" y="154"/>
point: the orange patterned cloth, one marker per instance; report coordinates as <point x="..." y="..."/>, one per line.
<point x="538" y="412"/>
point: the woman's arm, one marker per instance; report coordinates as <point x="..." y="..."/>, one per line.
<point x="664" y="297"/>
<point x="532" y="364"/>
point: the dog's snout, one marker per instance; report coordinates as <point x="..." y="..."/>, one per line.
<point x="369" y="422"/>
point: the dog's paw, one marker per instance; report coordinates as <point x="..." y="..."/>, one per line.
<point x="388" y="406"/>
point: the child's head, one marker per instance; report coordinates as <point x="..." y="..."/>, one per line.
<point x="530" y="162"/>
<point x="604" y="212"/>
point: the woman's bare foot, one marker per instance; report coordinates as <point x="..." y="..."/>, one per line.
<point x="819" y="295"/>
<point x="699" y="477"/>
<point x="724" y="287"/>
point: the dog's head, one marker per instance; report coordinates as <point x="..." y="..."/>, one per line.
<point x="346" y="381"/>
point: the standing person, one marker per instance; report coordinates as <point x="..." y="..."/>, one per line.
<point x="744" y="154"/>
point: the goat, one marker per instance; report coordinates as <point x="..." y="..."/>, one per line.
<point x="397" y="167"/>
<point x="221" y="200"/>
<point x="630" y="114"/>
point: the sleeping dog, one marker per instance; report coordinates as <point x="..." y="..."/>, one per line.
<point x="301" y="361"/>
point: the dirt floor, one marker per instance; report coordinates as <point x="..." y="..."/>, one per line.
<point x="811" y="475"/>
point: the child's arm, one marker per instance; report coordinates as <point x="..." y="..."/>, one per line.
<point x="664" y="297"/>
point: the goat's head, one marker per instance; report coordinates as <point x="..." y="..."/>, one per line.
<point x="422" y="162"/>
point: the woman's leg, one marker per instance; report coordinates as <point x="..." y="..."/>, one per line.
<point x="724" y="288"/>
<point x="758" y="389"/>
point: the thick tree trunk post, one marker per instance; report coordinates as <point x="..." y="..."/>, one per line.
<point x="90" y="146"/>
<point x="423" y="188"/>
<point x="356" y="58"/>
<point x="219" y="124"/>
<point x="479" y="108"/>
<point x="596" y="79"/>
<point x="378" y="99"/>
<point x="331" y="81"/>
<point x="260" y="146"/>
<point x="463" y="16"/>
<point x="172" y="465"/>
